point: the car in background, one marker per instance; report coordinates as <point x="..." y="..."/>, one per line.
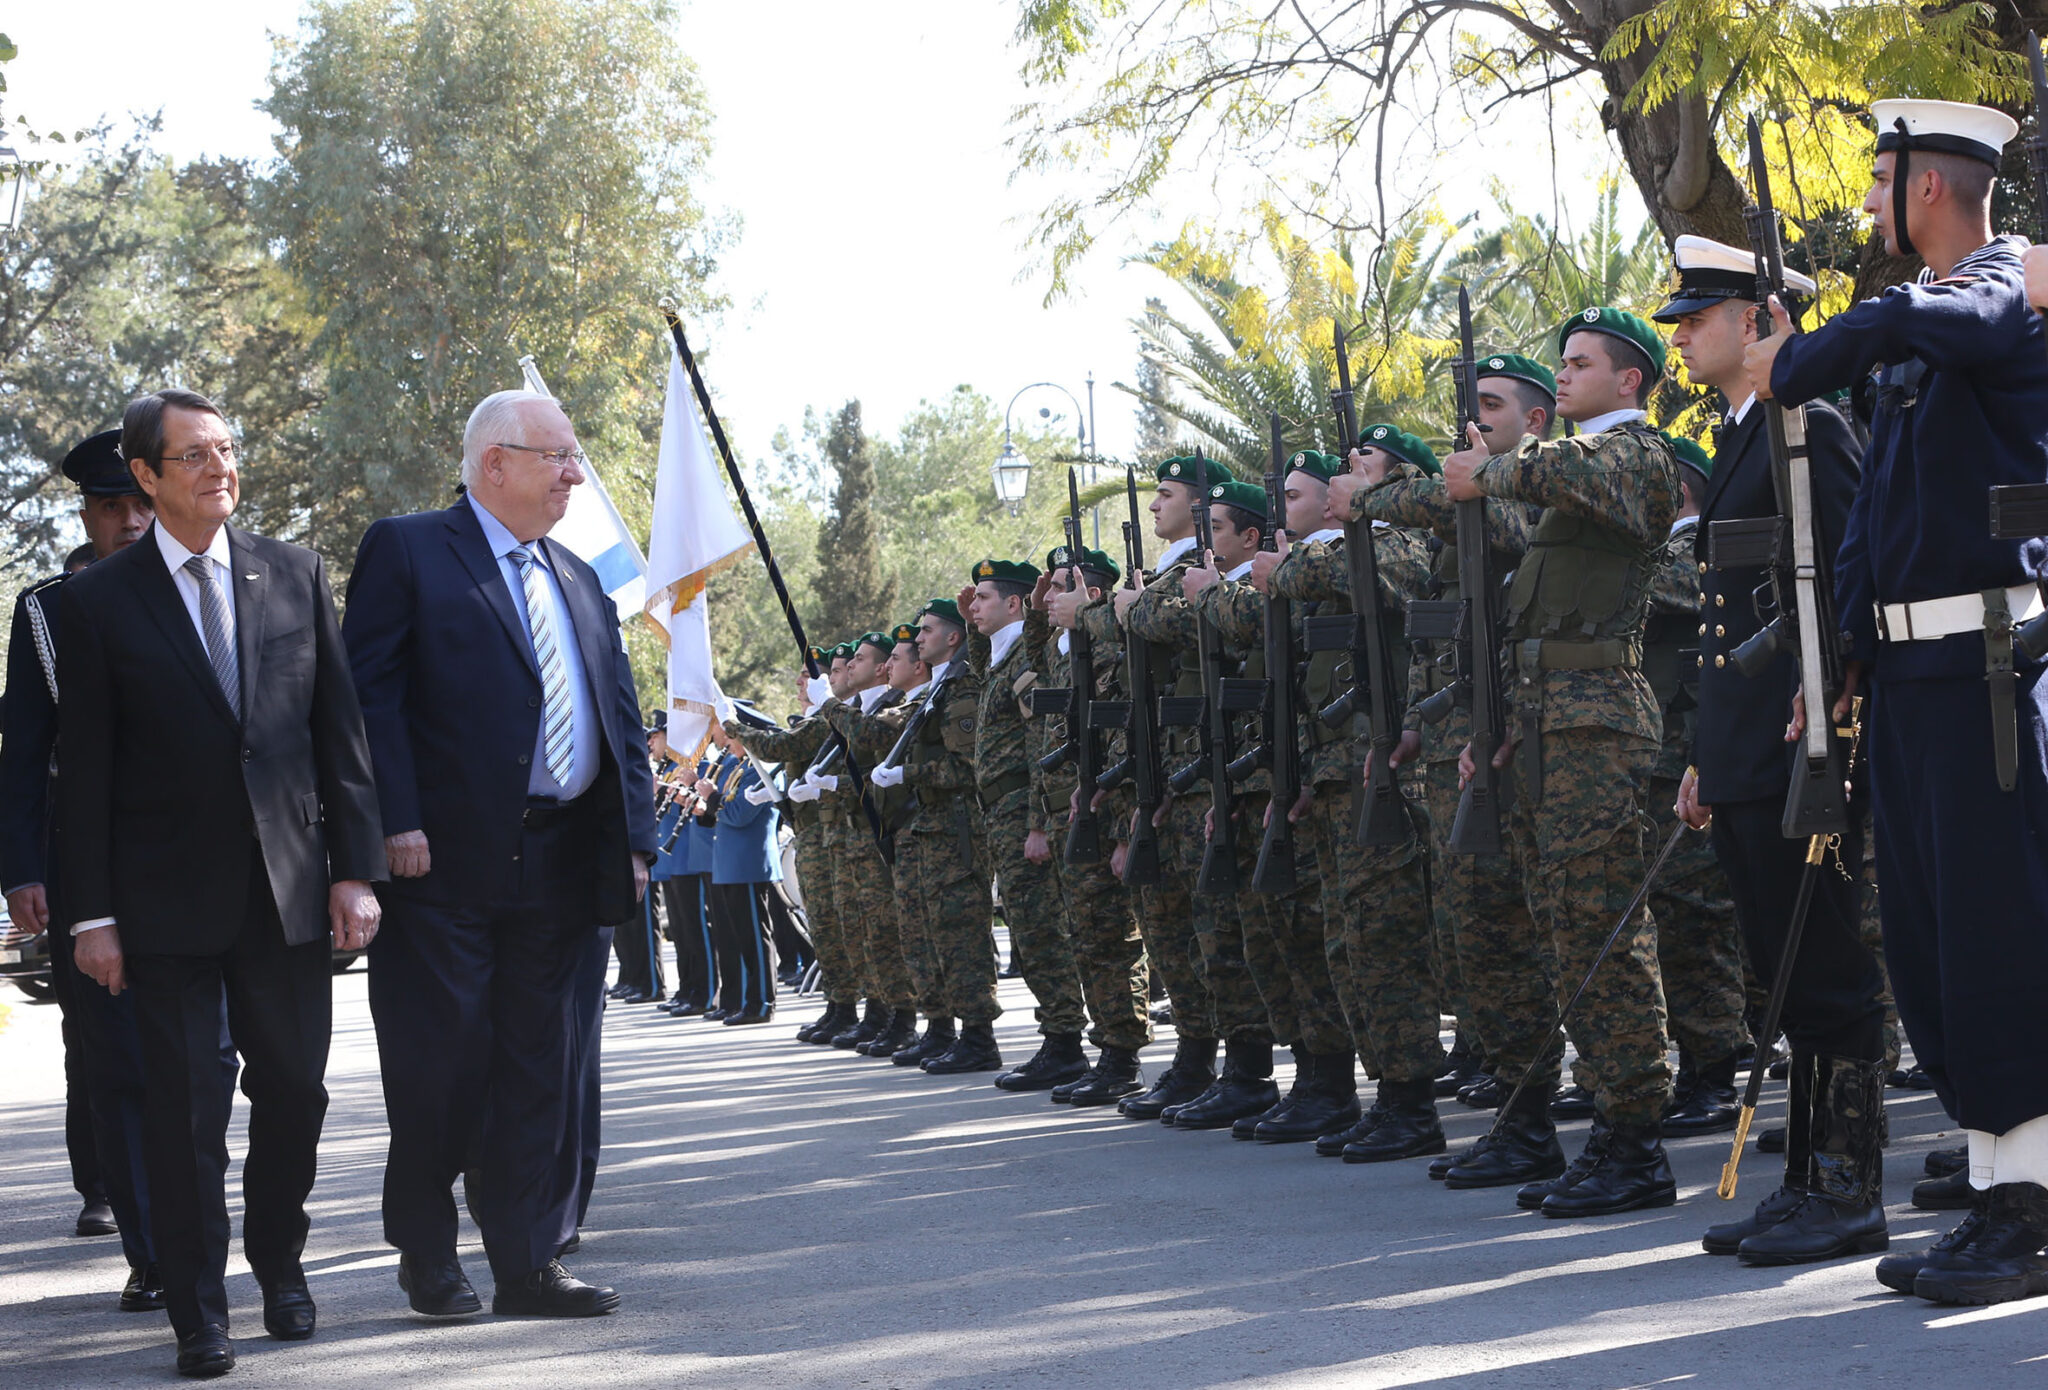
<point x="25" y="959"/>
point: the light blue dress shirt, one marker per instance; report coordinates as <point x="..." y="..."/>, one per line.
<point x="582" y="702"/>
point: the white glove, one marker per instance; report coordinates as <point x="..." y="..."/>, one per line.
<point x="804" y="790"/>
<point x="760" y="794"/>
<point x="826" y="781"/>
<point x="887" y="777"/>
<point x="817" y="691"/>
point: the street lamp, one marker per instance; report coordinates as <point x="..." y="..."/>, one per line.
<point x="1012" y="474"/>
<point x="1012" y="471"/>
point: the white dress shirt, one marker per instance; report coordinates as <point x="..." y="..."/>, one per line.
<point x="1328" y="534"/>
<point x="1004" y="639"/>
<point x="1609" y="420"/>
<point x="582" y="703"/>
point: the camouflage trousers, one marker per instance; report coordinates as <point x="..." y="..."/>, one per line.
<point x="1035" y="909"/>
<point x="1384" y="935"/>
<point x="868" y="910"/>
<point x="839" y="975"/>
<point x="1290" y="926"/>
<point x="1109" y="954"/>
<point x="1166" y="920"/>
<point x="1581" y="851"/>
<point x="1699" y="945"/>
<point x="942" y="875"/>
<point x="1270" y="922"/>
<point x="1236" y="992"/>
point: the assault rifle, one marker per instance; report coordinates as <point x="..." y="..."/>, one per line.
<point x="1475" y="829"/>
<point x="1280" y="753"/>
<point x="1219" y="860"/>
<point x="1138" y="718"/>
<point x="1084" y="836"/>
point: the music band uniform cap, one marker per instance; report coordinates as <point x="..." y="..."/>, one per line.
<point x="99" y="470"/>
<point x="1712" y="271"/>
<point x="1616" y="323"/>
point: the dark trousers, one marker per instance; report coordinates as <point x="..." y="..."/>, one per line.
<point x="103" y="1077"/>
<point x="689" y="927"/>
<point x="587" y="1109"/>
<point x="786" y="929"/>
<point x="740" y="949"/>
<point x="1833" y="1002"/>
<point x="79" y="1148"/>
<point x="280" y="1014"/>
<point x="639" y="952"/>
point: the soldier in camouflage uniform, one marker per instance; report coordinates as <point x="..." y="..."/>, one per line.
<point x="1698" y="943"/>
<point x="1584" y="729"/>
<point x="1107" y="950"/>
<point x="941" y="868"/>
<point x="1379" y="930"/>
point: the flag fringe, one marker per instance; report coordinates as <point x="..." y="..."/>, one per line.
<point x="691" y="584"/>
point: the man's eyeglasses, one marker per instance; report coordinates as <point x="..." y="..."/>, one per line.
<point x="225" y="451"/>
<point x="558" y="457"/>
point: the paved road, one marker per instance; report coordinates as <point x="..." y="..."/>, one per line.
<point x="784" y="1216"/>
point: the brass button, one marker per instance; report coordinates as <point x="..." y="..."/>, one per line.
<point x="1719" y="662"/>
<point x="1699" y="661"/>
<point x="1703" y="629"/>
<point x="1720" y="600"/>
<point x="1720" y="631"/>
<point x="1703" y="567"/>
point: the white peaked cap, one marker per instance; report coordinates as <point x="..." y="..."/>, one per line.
<point x="1697" y="253"/>
<point x="1945" y="127"/>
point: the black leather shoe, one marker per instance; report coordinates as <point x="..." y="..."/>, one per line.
<point x="437" y="1288"/>
<point x="937" y="1037"/>
<point x="96" y="1219"/>
<point x="2004" y="1261"/>
<point x="714" y="1014"/>
<point x="1522" y="1147"/>
<point x="1114" y="1076"/>
<point x="1707" y="1104"/>
<point x="1572" y="1103"/>
<point x="616" y="990"/>
<point x="1900" y="1272"/>
<point x="686" y="1008"/>
<point x="1631" y="1173"/>
<point x="1941" y="1162"/>
<point x="1408" y="1126"/>
<point x="144" y="1291"/>
<point x="765" y="1014"/>
<point x="1192" y="1071"/>
<point x="1948" y="1193"/>
<point x="1485" y="1093"/>
<point x="1059" y="1059"/>
<point x="1727" y="1237"/>
<point x="288" y="1312"/>
<point x="1328" y="1102"/>
<point x="636" y="996"/>
<point x="207" y="1352"/>
<point x="975" y="1050"/>
<point x="1917" y="1079"/>
<point x="552" y="1292"/>
<point x="901" y="1033"/>
<point x="867" y="1029"/>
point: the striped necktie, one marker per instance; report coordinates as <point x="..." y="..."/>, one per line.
<point x="559" y="740"/>
<point x="213" y="623"/>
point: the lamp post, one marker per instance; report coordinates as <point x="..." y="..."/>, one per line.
<point x="1012" y="470"/>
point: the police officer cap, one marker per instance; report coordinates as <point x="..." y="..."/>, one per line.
<point x="657" y="721"/>
<point x="945" y="610"/>
<point x="880" y="641"/>
<point x="1619" y="324"/>
<point x="1519" y="368"/>
<point x="1402" y="445"/>
<point x="1181" y="469"/>
<point x="1010" y="574"/>
<point x="1692" y="456"/>
<point x="1712" y="271"/>
<point x="1943" y="127"/>
<point x="1246" y="497"/>
<point x="1316" y="464"/>
<point x="1095" y="565"/>
<point x="98" y="468"/>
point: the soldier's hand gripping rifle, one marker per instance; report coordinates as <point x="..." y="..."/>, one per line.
<point x="911" y="728"/>
<point x="1281" y="754"/>
<point x="1138" y="717"/>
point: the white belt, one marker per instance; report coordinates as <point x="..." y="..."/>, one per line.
<point x="1944" y="617"/>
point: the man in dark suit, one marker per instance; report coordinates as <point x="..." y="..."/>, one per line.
<point x="1831" y="1203"/>
<point x="518" y="811"/>
<point x="219" y="830"/>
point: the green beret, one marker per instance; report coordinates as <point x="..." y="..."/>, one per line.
<point x="1316" y="465"/>
<point x="1520" y="368"/>
<point x="819" y="653"/>
<point x="1020" y="572"/>
<point x="880" y="641"/>
<point x="1402" y="445"/>
<point x="944" y="609"/>
<point x="842" y="651"/>
<point x="1181" y="469"/>
<point x="1691" y="455"/>
<point x="1249" y="497"/>
<point x="1093" y="562"/>
<point x="1617" y="323"/>
<point x="904" y="632"/>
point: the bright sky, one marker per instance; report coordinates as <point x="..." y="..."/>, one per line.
<point x="861" y="145"/>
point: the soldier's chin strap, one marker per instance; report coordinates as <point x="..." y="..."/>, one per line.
<point x="1900" y="170"/>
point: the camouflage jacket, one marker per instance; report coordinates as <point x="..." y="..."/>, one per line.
<point x="1003" y="733"/>
<point x="1056" y="786"/>
<point x="940" y="761"/>
<point x="1670" y="648"/>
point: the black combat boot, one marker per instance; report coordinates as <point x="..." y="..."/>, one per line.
<point x="1059" y="1058"/>
<point x="1629" y="1172"/>
<point x="1708" y="1105"/>
<point x="1304" y="1073"/>
<point x="1245" y="1089"/>
<point x="1941" y="1162"/>
<point x="1114" y="1076"/>
<point x="1843" y="1212"/>
<point x="975" y="1050"/>
<point x="1951" y="1192"/>
<point x="1484" y="1092"/>
<point x="1408" y="1126"/>
<point x="1331" y="1145"/>
<point x="1531" y="1196"/>
<point x="867" y="1030"/>
<point x="2004" y="1261"/>
<point x="1572" y="1103"/>
<point x="938" y="1035"/>
<point x="835" y="1017"/>
<point x="901" y="1033"/>
<point x="1521" y="1147"/>
<point x="1329" y="1102"/>
<point x="1461" y="1066"/>
<point x="1727" y="1237"/>
<point x="1900" y="1271"/>
<point x="1192" y="1072"/>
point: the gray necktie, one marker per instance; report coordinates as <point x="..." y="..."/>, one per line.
<point x="213" y="621"/>
<point x="558" y="742"/>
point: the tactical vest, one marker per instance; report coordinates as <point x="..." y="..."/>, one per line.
<point x="1580" y="592"/>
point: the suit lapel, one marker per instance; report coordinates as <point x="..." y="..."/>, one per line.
<point x="159" y="597"/>
<point x="1728" y="459"/>
<point x="466" y="538"/>
<point x="251" y="578"/>
<point x="583" y="602"/>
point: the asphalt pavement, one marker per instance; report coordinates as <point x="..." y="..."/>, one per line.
<point x="777" y="1215"/>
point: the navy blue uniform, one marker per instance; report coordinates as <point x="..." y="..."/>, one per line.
<point x="1965" y="879"/>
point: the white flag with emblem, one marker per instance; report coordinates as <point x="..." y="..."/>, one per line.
<point x="594" y="531"/>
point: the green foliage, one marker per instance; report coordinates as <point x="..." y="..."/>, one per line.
<point x="851" y="536"/>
